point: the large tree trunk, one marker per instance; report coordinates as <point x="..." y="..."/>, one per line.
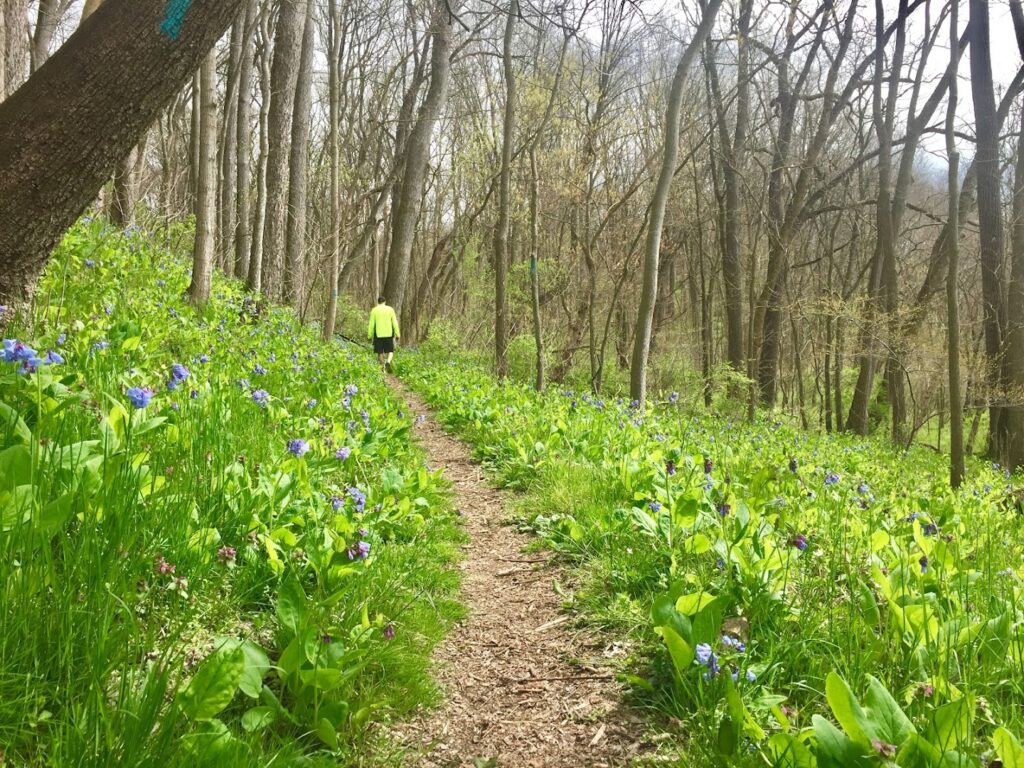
<point x="652" y="252"/>
<point x="501" y="230"/>
<point x="990" y="217"/>
<point x="284" y="77"/>
<point x="416" y="155"/>
<point x="63" y="133"/>
<point x="205" y="246"/>
<point x="295" y="248"/>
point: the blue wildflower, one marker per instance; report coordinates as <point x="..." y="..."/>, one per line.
<point x="261" y="397"/>
<point x="298" y="447"/>
<point x="342" y="453"/>
<point x="140" y="397"/>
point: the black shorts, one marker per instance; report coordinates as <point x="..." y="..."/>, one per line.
<point x="383" y="344"/>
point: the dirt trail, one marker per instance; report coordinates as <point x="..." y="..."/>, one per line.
<point x="524" y="691"/>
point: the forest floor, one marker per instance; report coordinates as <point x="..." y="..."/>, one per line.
<point x="522" y="688"/>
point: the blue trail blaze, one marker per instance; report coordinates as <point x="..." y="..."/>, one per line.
<point x="174" y="17"/>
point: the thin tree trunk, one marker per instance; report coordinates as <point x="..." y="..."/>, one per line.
<point x="334" y="148"/>
<point x="205" y="246"/>
<point x="670" y="153"/>
<point x="538" y="334"/>
<point x="956" y="410"/>
<point x="255" y="276"/>
<point x="14" y="47"/>
<point x="501" y="230"/>
<point x="227" y="226"/>
<point x="243" y="142"/>
<point x="63" y="133"/>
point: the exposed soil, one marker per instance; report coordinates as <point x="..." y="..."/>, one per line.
<point x="524" y="690"/>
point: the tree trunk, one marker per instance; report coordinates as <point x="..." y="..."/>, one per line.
<point x="416" y="155"/>
<point x="255" y="277"/>
<point x="670" y="153"/>
<point x="990" y="217"/>
<point x="63" y="133"/>
<point x="732" y="167"/>
<point x="334" y="148"/>
<point x="125" y="194"/>
<point x="1015" y="304"/>
<point x="284" y="76"/>
<point x="956" y="409"/>
<point x="294" y="276"/>
<point x="14" y="53"/>
<point x="205" y="247"/>
<point x="50" y="14"/>
<point x="538" y="334"/>
<point x="243" y="142"/>
<point x="501" y="230"/>
<point x="227" y="209"/>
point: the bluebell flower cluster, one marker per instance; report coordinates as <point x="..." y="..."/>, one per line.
<point x="26" y="357"/>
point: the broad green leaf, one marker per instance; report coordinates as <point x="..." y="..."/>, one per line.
<point x="886" y="721"/>
<point x="682" y="653"/>
<point x="834" y="749"/>
<point x="258" y="718"/>
<point x="951" y="724"/>
<point x="847" y="709"/>
<point x="1008" y="748"/>
<point x="214" y="685"/>
<point x="787" y="751"/>
<point x="291" y="604"/>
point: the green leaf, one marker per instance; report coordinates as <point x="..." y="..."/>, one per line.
<point x="728" y="736"/>
<point x="951" y="724"/>
<point x="11" y="419"/>
<point x="834" y="749"/>
<point x="847" y="709"/>
<point x="682" y="653"/>
<point x="257" y="664"/>
<point x="886" y="721"/>
<point x="1008" y="748"/>
<point x="327" y="733"/>
<point x="291" y="604"/>
<point x="214" y="685"/>
<point x="258" y="718"/>
<point x="787" y="751"/>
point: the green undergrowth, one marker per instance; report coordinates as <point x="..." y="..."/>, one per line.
<point x="218" y="545"/>
<point x="785" y="598"/>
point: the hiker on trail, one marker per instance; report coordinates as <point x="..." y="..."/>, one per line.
<point x="383" y="332"/>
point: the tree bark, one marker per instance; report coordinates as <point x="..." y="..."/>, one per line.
<point x="204" y="249"/>
<point x="501" y="230"/>
<point x="416" y="155"/>
<point x="956" y="408"/>
<point x="243" y="142"/>
<point x="990" y="217"/>
<point x="255" y="277"/>
<point x="659" y="202"/>
<point x="49" y="16"/>
<point x="295" y="251"/>
<point x="14" y="54"/>
<point x="334" y="149"/>
<point x="63" y="133"/>
<point x="284" y="76"/>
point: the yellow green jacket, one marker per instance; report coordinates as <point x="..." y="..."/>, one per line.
<point x="383" y="323"/>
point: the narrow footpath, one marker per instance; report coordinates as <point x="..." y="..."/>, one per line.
<point x="523" y="690"/>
